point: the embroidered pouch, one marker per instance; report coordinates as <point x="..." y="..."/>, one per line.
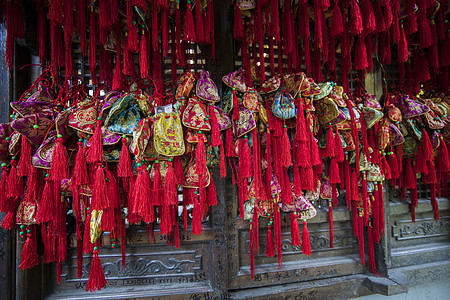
<point x="206" y="89"/>
<point x="194" y="116"/>
<point x="235" y="80"/>
<point x="185" y="86"/>
<point x="283" y="105"/>
<point x="168" y="134"/>
<point x="245" y="123"/>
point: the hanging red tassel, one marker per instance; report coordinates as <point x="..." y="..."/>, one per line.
<point x="245" y="160"/>
<point x="277" y="233"/>
<point x="414" y="203"/>
<point x="330" y="223"/>
<point x="200" y="157"/>
<point x="330" y="149"/>
<point x="222" y="166"/>
<point x="286" y="159"/>
<point x="4" y="203"/>
<point x="59" y="168"/>
<point x="68" y="32"/>
<point x="80" y="173"/>
<point x="356" y="18"/>
<point x="96" y="275"/>
<point x="178" y="169"/>
<point x="338" y="148"/>
<point x="443" y="157"/>
<point x="392" y="161"/>
<point x="144" y="64"/>
<point x="381" y="208"/>
<point x="270" y="252"/>
<point x="24" y="168"/>
<point x="295" y="231"/>
<point x="211" y="193"/>
<point x="315" y="157"/>
<point x="15" y="183"/>
<point x="306" y="244"/>
<point x="337" y="26"/>
<point x="93" y="37"/>
<point x="164" y="32"/>
<point x="215" y="133"/>
<point x="124" y="167"/>
<point x="99" y="191"/>
<point x="170" y="186"/>
<point x="386" y="168"/>
<point x="334" y="172"/>
<point x="46" y="211"/>
<point x="197" y="216"/>
<point x="427" y="147"/>
<point x="434" y="203"/>
<point x="199" y="31"/>
<point x="361" y="62"/>
<point x="96" y="149"/>
<point x="42" y="35"/>
<point x="361" y="237"/>
<point x="189" y="28"/>
<point x="372" y="266"/>
<point x="29" y="256"/>
<point x="158" y="195"/>
<point x="118" y="83"/>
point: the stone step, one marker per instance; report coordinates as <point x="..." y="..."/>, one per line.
<point x="422" y="254"/>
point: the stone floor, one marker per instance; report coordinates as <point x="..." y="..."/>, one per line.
<point x="433" y="291"/>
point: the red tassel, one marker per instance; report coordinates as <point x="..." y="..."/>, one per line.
<point x="392" y="161"/>
<point x="434" y="203"/>
<point x="170" y="186"/>
<point x="189" y="28"/>
<point x="118" y="83"/>
<point x="222" y="166"/>
<point x="414" y="203"/>
<point x="295" y="231"/>
<point x="42" y="34"/>
<point x="386" y="168"/>
<point x="164" y="32"/>
<point x="372" y="266"/>
<point x="68" y="32"/>
<point x="402" y="46"/>
<point x="211" y="194"/>
<point x="338" y="148"/>
<point x="46" y="211"/>
<point x="369" y="16"/>
<point x="334" y="172"/>
<point x="157" y="190"/>
<point x="229" y="144"/>
<point x="337" y="26"/>
<point x="315" y="157"/>
<point x="330" y="149"/>
<point x="4" y="203"/>
<point x="308" y="179"/>
<point x="29" y="256"/>
<point x="93" y="37"/>
<point x="365" y="200"/>
<point x="124" y="168"/>
<point x="80" y="173"/>
<point x="356" y="17"/>
<point x="197" y="217"/>
<point x="427" y="147"/>
<point x="178" y="169"/>
<point x="143" y="202"/>
<point x="200" y="158"/>
<point x="381" y="208"/>
<point x="361" y="62"/>
<point x="361" y="238"/>
<point x="238" y="27"/>
<point x="277" y="233"/>
<point x="348" y="184"/>
<point x="96" y="275"/>
<point x="245" y="160"/>
<point x="410" y="176"/>
<point x="306" y="244"/>
<point x="215" y="133"/>
<point x="24" y="168"/>
<point x="297" y="182"/>
<point x="15" y="183"/>
<point x="270" y="252"/>
<point x="443" y="157"/>
<point x="96" y="149"/>
<point x="286" y="159"/>
<point x="59" y="167"/>
<point x="144" y="64"/>
<point x="330" y="221"/>
<point x="99" y="192"/>
<point x="199" y="31"/>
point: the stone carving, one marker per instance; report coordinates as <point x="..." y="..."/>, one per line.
<point x="426" y="228"/>
<point x="141" y="267"/>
